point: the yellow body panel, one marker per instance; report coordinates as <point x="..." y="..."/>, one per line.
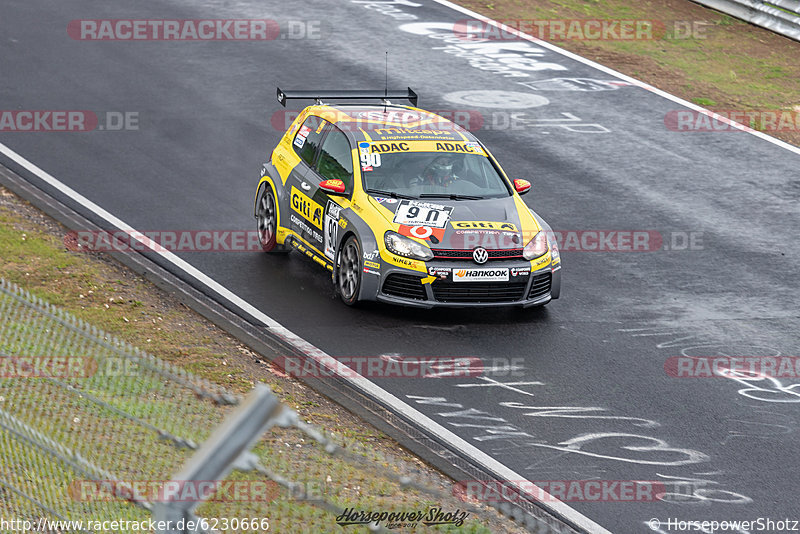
<point x="376" y="216"/>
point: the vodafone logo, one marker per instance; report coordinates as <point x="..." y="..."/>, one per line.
<point x="435" y="235"/>
<point x="422" y="232"/>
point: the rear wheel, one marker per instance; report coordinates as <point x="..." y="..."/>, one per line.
<point x="348" y="271"/>
<point x="267" y="217"/>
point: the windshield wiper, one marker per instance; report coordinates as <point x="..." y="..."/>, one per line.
<point x="451" y="196"/>
<point x="390" y="194"/>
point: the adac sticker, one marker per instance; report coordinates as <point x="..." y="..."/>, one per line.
<point x="383" y="148"/>
<point x="467" y="148"/>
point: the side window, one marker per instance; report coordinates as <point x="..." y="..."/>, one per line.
<point x="336" y="159"/>
<point x="306" y="140"/>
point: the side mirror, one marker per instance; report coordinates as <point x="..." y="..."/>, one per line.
<point x="334" y="187"/>
<point x="522" y="186"/>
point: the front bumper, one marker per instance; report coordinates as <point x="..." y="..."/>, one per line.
<point x="405" y="287"/>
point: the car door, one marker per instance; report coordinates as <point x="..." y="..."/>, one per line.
<point x="305" y="217"/>
<point x="335" y="162"/>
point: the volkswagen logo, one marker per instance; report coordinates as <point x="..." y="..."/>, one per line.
<point x="480" y="255"/>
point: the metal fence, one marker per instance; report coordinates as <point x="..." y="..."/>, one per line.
<point x="93" y="429"/>
<point x="780" y="16"/>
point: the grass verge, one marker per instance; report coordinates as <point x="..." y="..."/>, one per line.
<point x="700" y="55"/>
<point x="109" y="296"/>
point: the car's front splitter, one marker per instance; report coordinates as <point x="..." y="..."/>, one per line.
<point x="411" y="288"/>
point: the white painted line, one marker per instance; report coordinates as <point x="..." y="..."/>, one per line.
<point x="612" y="72"/>
<point x="363" y="384"/>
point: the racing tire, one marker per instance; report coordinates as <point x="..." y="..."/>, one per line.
<point x="267" y="217"/>
<point x="348" y="271"/>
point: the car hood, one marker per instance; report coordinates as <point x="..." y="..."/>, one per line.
<point x="493" y="223"/>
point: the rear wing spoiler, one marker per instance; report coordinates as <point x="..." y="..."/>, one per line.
<point x="348" y="94"/>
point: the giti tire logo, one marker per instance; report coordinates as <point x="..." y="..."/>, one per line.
<point x="310" y="210"/>
<point x="483" y="225"/>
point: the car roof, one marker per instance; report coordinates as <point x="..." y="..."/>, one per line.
<point x="364" y="122"/>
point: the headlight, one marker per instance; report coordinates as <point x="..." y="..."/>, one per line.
<point x="554" y="253"/>
<point x="536" y="247"/>
<point x="403" y="246"/>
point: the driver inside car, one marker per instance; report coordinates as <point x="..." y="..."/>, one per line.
<point x="438" y="174"/>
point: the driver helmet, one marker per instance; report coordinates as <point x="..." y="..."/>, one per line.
<point x="440" y="170"/>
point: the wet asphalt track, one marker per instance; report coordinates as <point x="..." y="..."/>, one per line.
<point x="591" y="399"/>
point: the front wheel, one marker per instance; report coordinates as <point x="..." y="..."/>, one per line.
<point x="267" y="217"/>
<point x="348" y="271"/>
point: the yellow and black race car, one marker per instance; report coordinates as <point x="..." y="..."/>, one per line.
<point x="402" y="206"/>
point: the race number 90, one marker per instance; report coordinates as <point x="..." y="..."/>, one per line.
<point x="370" y="160"/>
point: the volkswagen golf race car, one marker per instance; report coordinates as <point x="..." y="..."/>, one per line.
<point x="402" y="206"/>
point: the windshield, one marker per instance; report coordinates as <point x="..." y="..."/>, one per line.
<point x="431" y="175"/>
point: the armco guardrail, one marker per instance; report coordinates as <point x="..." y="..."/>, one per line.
<point x="780" y="16"/>
<point x="93" y="430"/>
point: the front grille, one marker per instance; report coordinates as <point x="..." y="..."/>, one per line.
<point x="445" y="291"/>
<point x="541" y="285"/>
<point x="460" y="254"/>
<point x="404" y="285"/>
